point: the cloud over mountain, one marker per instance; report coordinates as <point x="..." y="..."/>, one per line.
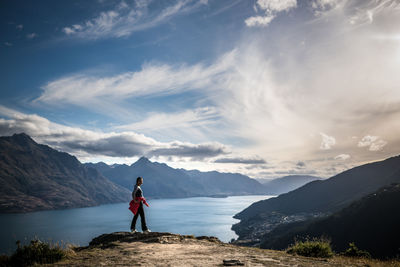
<point x="114" y="144"/>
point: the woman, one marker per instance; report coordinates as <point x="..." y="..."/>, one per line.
<point x="136" y="206"/>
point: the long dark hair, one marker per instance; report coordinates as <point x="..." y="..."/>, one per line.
<point x="137" y="179"/>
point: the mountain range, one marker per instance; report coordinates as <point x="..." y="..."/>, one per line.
<point x="274" y="221"/>
<point x="167" y="182"/>
<point x="162" y="181"/>
<point x="37" y="177"/>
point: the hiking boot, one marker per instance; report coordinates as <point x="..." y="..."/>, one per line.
<point x="146" y="231"/>
<point x="133" y="231"/>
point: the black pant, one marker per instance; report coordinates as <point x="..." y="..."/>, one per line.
<point x="142" y="218"/>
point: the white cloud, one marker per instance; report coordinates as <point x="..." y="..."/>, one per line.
<point x="367" y="140"/>
<point x="86" y="143"/>
<point x="364" y="12"/>
<point x="271" y="8"/>
<point x="373" y="142"/>
<point x="19" y="27"/>
<point x="126" y="19"/>
<point x="258" y="21"/>
<point x="343" y="156"/>
<point x="377" y="146"/>
<point x="327" y="141"/>
<point x="326" y="4"/>
<point x="68" y="30"/>
<point x="31" y="35"/>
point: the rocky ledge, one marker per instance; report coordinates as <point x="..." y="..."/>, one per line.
<point x="166" y="249"/>
<point x="106" y="240"/>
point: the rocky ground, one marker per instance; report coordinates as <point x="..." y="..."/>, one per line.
<point x="166" y="249"/>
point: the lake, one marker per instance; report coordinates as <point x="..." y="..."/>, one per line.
<point x="193" y="216"/>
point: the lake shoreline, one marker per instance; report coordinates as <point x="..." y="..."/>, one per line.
<point x="196" y="216"/>
<point x="148" y="198"/>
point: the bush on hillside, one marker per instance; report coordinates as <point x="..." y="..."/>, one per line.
<point x="318" y="248"/>
<point x="353" y="251"/>
<point x="36" y="252"/>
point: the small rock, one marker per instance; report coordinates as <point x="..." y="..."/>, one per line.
<point x="233" y="263"/>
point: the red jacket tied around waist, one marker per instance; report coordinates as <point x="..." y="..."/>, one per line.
<point x="133" y="206"/>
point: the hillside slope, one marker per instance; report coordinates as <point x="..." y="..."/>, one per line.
<point x="288" y="183"/>
<point x="331" y="194"/>
<point x="37" y="177"/>
<point x="316" y="198"/>
<point x="372" y="223"/>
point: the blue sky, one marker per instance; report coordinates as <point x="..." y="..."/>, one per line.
<point x="263" y="87"/>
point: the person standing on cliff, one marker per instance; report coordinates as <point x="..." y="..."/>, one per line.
<point x="138" y="199"/>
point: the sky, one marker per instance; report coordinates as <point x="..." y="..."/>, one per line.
<point x="266" y="88"/>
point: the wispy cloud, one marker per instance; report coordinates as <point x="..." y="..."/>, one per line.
<point x="126" y="19"/>
<point x="198" y="123"/>
<point x="19" y="27"/>
<point x="180" y="120"/>
<point x="153" y="79"/>
<point x="366" y="11"/>
<point x="241" y="160"/>
<point x="355" y="12"/>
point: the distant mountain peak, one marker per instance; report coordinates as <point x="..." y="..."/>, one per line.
<point x="22" y="136"/>
<point x="21" y="139"/>
<point x="143" y="160"/>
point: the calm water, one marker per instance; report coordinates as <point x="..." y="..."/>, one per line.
<point x="197" y="216"/>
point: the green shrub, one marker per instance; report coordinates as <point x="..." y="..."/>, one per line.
<point x="353" y="251"/>
<point x="317" y="248"/>
<point x="36" y="252"/>
<point x="4" y="261"/>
